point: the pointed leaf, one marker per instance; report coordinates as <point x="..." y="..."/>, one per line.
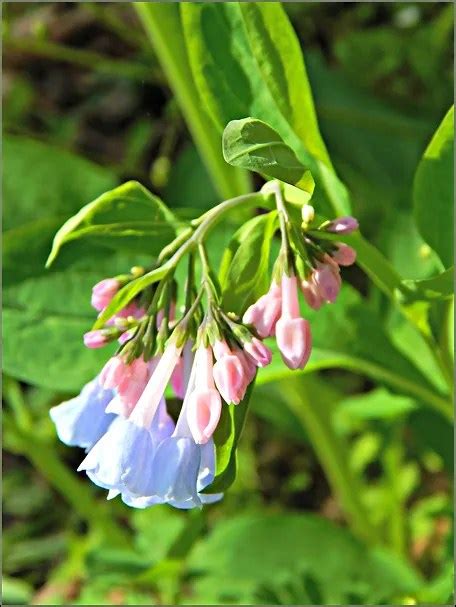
<point x="128" y="217"/>
<point x="254" y="145"/>
<point x="433" y="191"/>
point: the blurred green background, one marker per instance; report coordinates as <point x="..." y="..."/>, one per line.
<point x="86" y="106"/>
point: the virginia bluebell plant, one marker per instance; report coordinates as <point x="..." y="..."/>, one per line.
<point x="207" y="354"/>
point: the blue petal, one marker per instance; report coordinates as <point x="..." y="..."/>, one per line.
<point x="122" y="458"/>
<point x="82" y="421"/>
<point x="176" y="465"/>
<point x="136" y="501"/>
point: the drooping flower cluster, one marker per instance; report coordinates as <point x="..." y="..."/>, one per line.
<point x="207" y="356"/>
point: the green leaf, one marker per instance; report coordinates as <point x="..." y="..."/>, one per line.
<point x="26" y="248"/>
<point x="163" y="25"/>
<point x="244" y="272"/>
<point x="276" y="48"/>
<point x="254" y="145"/>
<point x="40" y="181"/>
<point x="378" y="404"/>
<point x="433" y="191"/>
<point x="231" y="75"/>
<point x="247" y="551"/>
<point x="44" y="319"/>
<point x="437" y="287"/>
<point x="128" y="217"/>
<point x="226" y="438"/>
<point x="16" y="591"/>
<point x="432" y="432"/>
<point x="189" y="183"/>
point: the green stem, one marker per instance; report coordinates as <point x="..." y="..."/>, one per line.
<point x="392" y="461"/>
<point x="15" y="398"/>
<point x="82" y="58"/>
<point x="437" y="402"/>
<point x="162" y="23"/>
<point x="333" y="456"/>
<point x="188" y="240"/>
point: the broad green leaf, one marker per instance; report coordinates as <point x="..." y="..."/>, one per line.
<point x="128" y="217"/>
<point x="433" y="433"/>
<point x="252" y="550"/>
<point x="40" y="181"/>
<point x="226" y="438"/>
<point x="433" y="191"/>
<point x="437" y="287"/>
<point x="254" y="145"/>
<point x="189" y="183"/>
<point x="276" y="48"/>
<point x="245" y="266"/>
<point x="16" y="591"/>
<point x="26" y="248"/>
<point x="44" y="319"/>
<point x="163" y="25"/>
<point x="384" y="146"/>
<point x="226" y="67"/>
<point x="405" y="248"/>
<point x="379" y="404"/>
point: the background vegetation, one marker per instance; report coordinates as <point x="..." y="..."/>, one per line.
<point x="344" y="490"/>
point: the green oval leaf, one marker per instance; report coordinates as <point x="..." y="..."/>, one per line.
<point x="244" y="270"/>
<point x="252" y="144"/>
<point x="433" y="191"/>
<point x="128" y="217"/>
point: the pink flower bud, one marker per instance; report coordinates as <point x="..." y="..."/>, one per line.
<point x="264" y="313"/>
<point x="292" y="332"/>
<point x="259" y="352"/>
<point x="128" y="379"/>
<point x="95" y="339"/>
<point x="249" y="367"/>
<point x="204" y="404"/>
<point x="229" y="378"/>
<point x="103" y="292"/>
<point x="344" y="255"/>
<point x="126" y="336"/>
<point x="203" y="414"/>
<point x="290" y="302"/>
<point x="294" y="341"/>
<point x="311" y="295"/>
<point x="342" y="225"/>
<point x="327" y="281"/>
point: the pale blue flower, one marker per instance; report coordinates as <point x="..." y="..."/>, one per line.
<point x="122" y="458"/>
<point x="181" y="470"/>
<point x="82" y="421"/>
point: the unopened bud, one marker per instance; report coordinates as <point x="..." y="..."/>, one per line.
<point x="137" y="271"/>
<point x="308" y="214"/>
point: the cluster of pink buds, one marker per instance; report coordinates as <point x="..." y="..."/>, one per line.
<point x="277" y="313"/>
<point x="208" y="356"/>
